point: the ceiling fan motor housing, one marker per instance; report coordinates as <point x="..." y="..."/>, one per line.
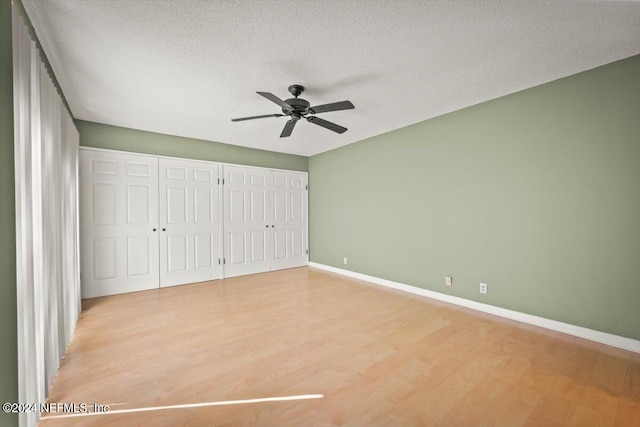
<point x="298" y="105"/>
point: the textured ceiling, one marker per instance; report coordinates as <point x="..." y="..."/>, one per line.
<point x="188" y="67"/>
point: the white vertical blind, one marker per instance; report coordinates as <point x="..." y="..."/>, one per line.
<point x="46" y="165"/>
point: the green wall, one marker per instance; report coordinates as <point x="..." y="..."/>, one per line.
<point x="8" y="315"/>
<point x="536" y="193"/>
<point x="125" y="139"/>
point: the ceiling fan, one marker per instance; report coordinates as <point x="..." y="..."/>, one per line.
<point x="298" y="108"/>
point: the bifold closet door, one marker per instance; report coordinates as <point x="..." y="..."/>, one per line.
<point x="189" y="222"/>
<point x="265" y="220"/>
<point x="118" y="223"/>
<point x="247" y="236"/>
<point x="289" y="210"/>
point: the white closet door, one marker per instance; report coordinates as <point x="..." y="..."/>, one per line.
<point x="119" y="218"/>
<point x="247" y="240"/>
<point x="189" y="222"/>
<point x="289" y="201"/>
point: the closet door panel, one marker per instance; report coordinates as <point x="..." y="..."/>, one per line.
<point x="289" y="195"/>
<point x="189" y="222"/>
<point x="118" y="214"/>
<point x="247" y="236"/>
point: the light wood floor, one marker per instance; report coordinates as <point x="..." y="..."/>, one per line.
<point x="379" y="357"/>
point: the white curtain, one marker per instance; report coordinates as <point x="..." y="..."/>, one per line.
<point x="46" y="165"/>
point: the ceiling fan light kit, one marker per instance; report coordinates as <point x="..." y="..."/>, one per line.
<point x="298" y="108"/>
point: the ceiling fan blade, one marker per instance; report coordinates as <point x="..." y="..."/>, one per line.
<point x="325" y="124"/>
<point x="334" y="106"/>
<point x="288" y="128"/>
<point x="271" y="97"/>
<point x="256" y="117"/>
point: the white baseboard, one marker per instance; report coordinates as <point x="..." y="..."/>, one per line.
<point x="578" y="331"/>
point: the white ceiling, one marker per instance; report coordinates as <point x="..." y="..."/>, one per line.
<point x="188" y="67"/>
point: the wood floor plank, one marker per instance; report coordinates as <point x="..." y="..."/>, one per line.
<point x="588" y="417"/>
<point x="628" y="414"/>
<point x="380" y="358"/>
<point x="631" y="385"/>
<point x="507" y="414"/>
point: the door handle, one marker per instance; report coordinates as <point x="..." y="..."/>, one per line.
<point x="154" y="229"/>
<point x="164" y="229"/>
<point x="267" y="226"/>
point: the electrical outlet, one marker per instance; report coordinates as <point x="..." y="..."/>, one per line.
<point x="448" y="280"/>
<point x="483" y="288"/>
<point x="345" y="261"/>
